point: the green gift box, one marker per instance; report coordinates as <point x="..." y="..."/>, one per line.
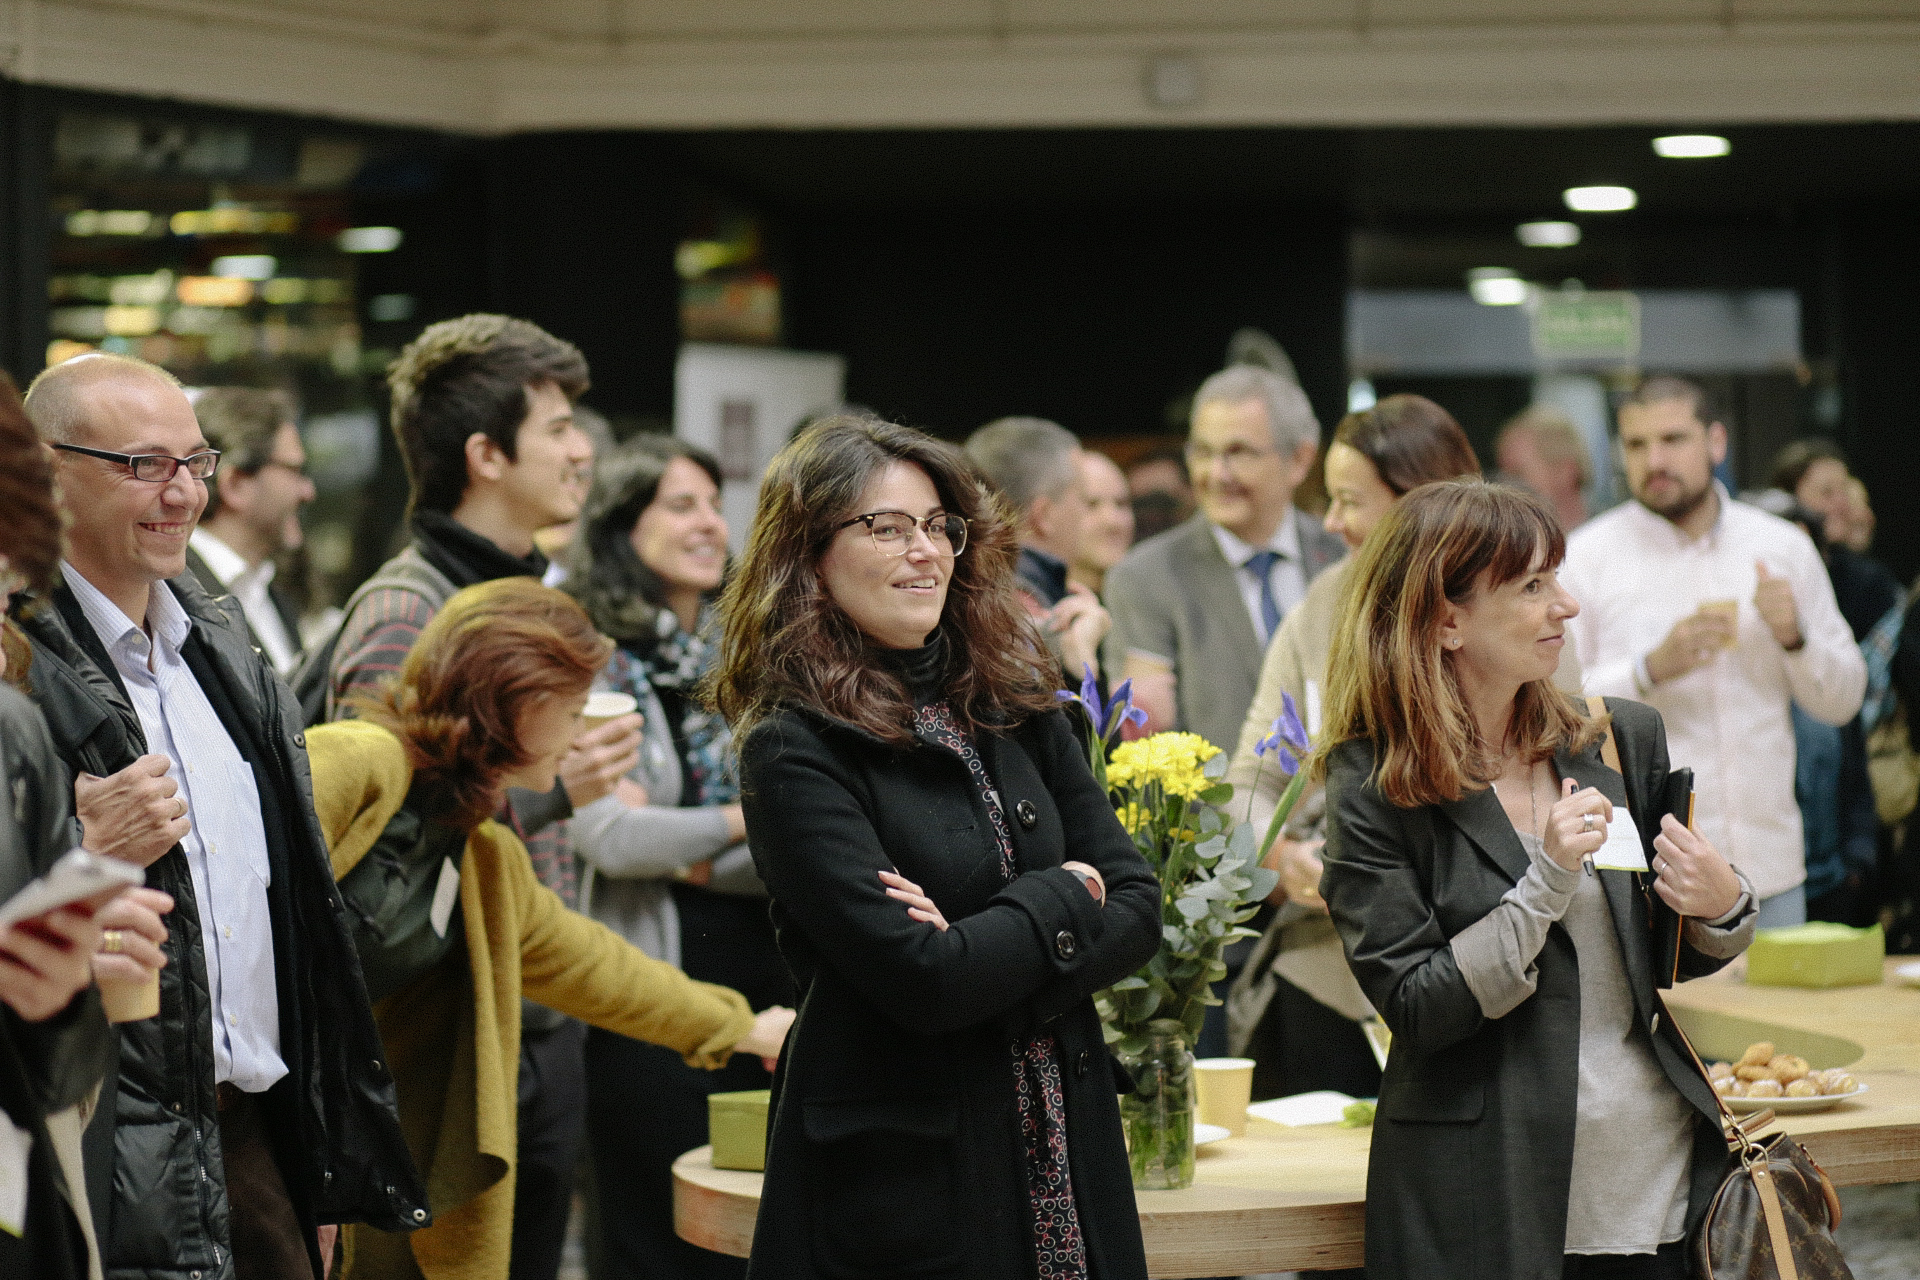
<point x="1817" y="954"/>
<point x="737" y="1126"/>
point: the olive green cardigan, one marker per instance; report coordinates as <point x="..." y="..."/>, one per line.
<point x="453" y="1037"/>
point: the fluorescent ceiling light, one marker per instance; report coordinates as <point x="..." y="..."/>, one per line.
<point x="1599" y="199"/>
<point x="1548" y="235"/>
<point x="1691" y="146"/>
<point x="369" y="239"/>
<point x="1496" y="287"/>
<point x="245" y="266"/>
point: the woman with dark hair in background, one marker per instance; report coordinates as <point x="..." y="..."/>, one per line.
<point x="489" y="698"/>
<point x="1295" y="1009"/>
<point x="666" y="864"/>
<point x="55" y="1046"/>
<point x="951" y="885"/>
<point x="1537" y="1118"/>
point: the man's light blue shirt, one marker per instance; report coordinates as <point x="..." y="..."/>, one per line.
<point x="227" y="846"/>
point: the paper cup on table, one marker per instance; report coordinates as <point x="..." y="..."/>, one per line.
<point x="1226" y="1087"/>
<point x="604" y="705"/>
<point x="131" y="1002"/>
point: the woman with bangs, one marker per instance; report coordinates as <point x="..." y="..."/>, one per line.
<point x="1536" y="1118"/>
<point x="452" y="927"/>
<point x="950" y="885"/>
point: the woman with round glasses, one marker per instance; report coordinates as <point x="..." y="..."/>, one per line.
<point x="950" y="885"/>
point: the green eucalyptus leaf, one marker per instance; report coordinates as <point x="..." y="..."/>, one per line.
<point x="1216" y="768"/>
<point x="1191" y="908"/>
<point x="1133" y="983"/>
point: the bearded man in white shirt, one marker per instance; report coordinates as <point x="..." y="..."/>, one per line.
<point x="1721" y="616"/>
<point x="253" y="511"/>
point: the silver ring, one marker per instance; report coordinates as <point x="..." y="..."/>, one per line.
<point x="1586" y="822"/>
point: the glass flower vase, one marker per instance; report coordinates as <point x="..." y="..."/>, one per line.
<point x="1157" y="1110"/>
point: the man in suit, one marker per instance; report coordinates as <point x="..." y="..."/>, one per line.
<point x="1193" y="608"/>
<point x="253" y="511"/>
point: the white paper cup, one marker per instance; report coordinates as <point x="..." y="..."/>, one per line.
<point x="605" y="704"/>
<point x="1226" y="1087"/>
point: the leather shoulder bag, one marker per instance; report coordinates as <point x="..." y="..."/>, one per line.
<point x="1774" y="1213"/>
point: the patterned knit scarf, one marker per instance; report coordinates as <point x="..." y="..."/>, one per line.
<point x="679" y="660"/>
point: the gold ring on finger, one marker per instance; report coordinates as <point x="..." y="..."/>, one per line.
<point x="112" y="941"/>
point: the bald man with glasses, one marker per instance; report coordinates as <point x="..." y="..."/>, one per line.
<point x="256" y="1110"/>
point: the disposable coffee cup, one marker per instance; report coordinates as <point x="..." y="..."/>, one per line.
<point x="1225" y="1086"/>
<point x="605" y="704"/>
<point x="131" y="1002"/>
<point x="1727" y="609"/>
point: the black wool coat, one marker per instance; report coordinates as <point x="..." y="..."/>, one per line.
<point x="894" y="1147"/>
<point x="155" y="1173"/>
<point x="1473" y="1140"/>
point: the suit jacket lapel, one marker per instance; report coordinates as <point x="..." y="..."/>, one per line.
<point x="1631" y="920"/>
<point x="1215" y="593"/>
<point x="1482" y="820"/>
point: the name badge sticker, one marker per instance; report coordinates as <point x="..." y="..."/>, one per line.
<point x="445" y="894"/>
<point x="1622" y="851"/>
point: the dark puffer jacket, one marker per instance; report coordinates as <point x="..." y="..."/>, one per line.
<point x="333" y="1116"/>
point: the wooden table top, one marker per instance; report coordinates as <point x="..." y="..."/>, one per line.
<point x="1281" y="1199"/>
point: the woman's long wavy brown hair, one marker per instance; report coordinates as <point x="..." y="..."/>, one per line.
<point x="30" y="536"/>
<point x="1390" y="681"/>
<point x="492" y="651"/>
<point x="785" y="642"/>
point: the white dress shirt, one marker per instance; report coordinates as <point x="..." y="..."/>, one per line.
<point x="249" y="586"/>
<point x="1288" y="576"/>
<point x="226" y="847"/>
<point x="1635" y="576"/>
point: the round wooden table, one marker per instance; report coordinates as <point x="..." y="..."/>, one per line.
<point x="1283" y="1199"/>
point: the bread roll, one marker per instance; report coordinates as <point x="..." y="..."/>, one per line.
<point x="1765" y="1089"/>
<point x="1788" y="1067"/>
<point x="1758" y="1054"/>
<point x="1749" y="1072"/>
<point x="1802" y="1088"/>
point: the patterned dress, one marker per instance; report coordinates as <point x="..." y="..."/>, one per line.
<point x="1058" y="1246"/>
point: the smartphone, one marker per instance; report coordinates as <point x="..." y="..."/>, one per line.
<point x="79" y="874"/>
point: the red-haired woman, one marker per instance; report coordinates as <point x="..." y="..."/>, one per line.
<point x="1536" y="1118"/>
<point x="950" y="885"/>
<point x="451" y="925"/>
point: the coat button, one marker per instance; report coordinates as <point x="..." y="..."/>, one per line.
<point x="1080" y="1063"/>
<point x="1064" y="944"/>
<point x="299" y="739"/>
<point x="1028" y="815"/>
<point x="1656" y="1024"/>
<point x="419" y="1215"/>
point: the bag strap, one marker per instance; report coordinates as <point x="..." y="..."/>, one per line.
<point x="1609" y="749"/>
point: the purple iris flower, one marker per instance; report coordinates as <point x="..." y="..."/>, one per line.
<point x="1286" y="731"/>
<point x="1107" y="717"/>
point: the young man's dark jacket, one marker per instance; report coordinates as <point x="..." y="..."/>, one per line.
<point x="159" y="1190"/>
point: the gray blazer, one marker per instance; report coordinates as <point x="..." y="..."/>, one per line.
<point x="1176" y="595"/>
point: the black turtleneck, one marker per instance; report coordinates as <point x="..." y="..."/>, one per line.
<point x="467" y="557"/>
<point x="922" y="670"/>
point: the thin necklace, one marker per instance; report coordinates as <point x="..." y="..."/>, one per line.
<point x="1533" y="802"/>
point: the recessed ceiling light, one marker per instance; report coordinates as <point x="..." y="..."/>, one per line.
<point x="1548" y="235"/>
<point x="1599" y="199"/>
<point x="1691" y="146"/>
<point x="1496" y="287"/>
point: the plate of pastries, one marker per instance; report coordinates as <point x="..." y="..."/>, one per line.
<point x="1781" y="1082"/>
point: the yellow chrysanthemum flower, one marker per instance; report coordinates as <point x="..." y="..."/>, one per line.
<point x="1171" y="759"/>
<point x="1133" y="817"/>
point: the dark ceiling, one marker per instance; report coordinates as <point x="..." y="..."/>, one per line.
<point x="1425" y="204"/>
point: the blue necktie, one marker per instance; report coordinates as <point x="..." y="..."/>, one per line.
<point x="1260" y="564"/>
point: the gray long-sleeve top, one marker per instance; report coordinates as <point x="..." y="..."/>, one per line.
<point x="632" y="855"/>
<point x="1633" y="1132"/>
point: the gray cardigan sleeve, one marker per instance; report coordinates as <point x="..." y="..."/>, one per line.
<point x="1499" y="953"/>
<point x="646" y="844"/>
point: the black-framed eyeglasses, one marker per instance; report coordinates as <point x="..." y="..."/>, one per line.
<point x="155" y="468"/>
<point x="892" y="531"/>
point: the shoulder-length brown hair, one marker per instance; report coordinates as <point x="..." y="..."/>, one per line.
<point x="492" y="651"/>
<point x="785" y="643"/>
<point x="1389" y="680"/>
